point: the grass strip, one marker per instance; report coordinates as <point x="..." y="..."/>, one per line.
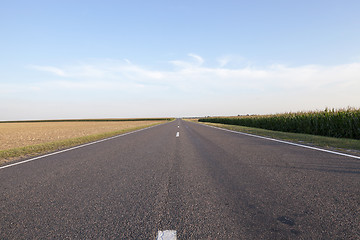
<point x="339" y="144"/>
<point x="340" y="123"/>
<point x="39" y="149"/>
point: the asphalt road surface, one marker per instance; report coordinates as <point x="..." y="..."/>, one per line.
<point x="201" y="182"/>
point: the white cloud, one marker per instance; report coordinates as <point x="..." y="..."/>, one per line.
<point x="233" y="61"/>
<point x="53" y="70"/>
<point x="127" y="60"/>
<point x="197" y="78"/>
<point x="199" y="89"/>
<point x="223" y="61"/>
<point x="198" y="59"/>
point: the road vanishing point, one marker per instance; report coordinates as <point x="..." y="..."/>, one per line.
<point x="182" y="180"/>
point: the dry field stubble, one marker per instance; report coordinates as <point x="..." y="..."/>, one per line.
<point x="14" y="135"/>
<point x="32" y="138"/>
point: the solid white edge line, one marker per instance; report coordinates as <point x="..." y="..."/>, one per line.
<point x="76" y="147"/>
<point x="166" y="235"/>
<point x="285" y="142"/>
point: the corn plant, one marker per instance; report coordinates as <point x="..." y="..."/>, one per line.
<point x="340" y="123"/>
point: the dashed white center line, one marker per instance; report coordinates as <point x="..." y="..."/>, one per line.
<point x="177" y="134"/>
<point x="178" y="126"/>
<point x="166" y="235"/>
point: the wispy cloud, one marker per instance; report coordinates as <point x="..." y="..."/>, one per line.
<point x="193" y="73"/>
<point x="207" y="89"/>
<point x="198" y="59"/>
<point x="197" y="62"/>
<point x="50" y="69"/>
<point x="233" y="61"/>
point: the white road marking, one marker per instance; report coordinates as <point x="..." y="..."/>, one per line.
<point x="76" y="147"/>
<point x="178" y="126"/>
<point x="166" y="235"/>
<point x="286" y="142"/>
<point x="177" y="134"/>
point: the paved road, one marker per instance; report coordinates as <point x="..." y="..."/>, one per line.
<point x="205" y="184"/>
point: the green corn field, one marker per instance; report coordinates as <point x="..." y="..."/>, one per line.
<point x="340" y="123"/>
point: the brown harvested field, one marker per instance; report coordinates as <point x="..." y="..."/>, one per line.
<point x="14" y="135"/>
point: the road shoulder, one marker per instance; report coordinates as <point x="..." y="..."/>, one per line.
<point x="349" y="146"/>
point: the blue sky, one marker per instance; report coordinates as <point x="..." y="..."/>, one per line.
<point x="94" y="59"/>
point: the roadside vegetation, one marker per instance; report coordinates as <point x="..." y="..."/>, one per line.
<point x="340" y="144"/>
<point x="22" y="139"/>
<point x="340" y="123"/>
